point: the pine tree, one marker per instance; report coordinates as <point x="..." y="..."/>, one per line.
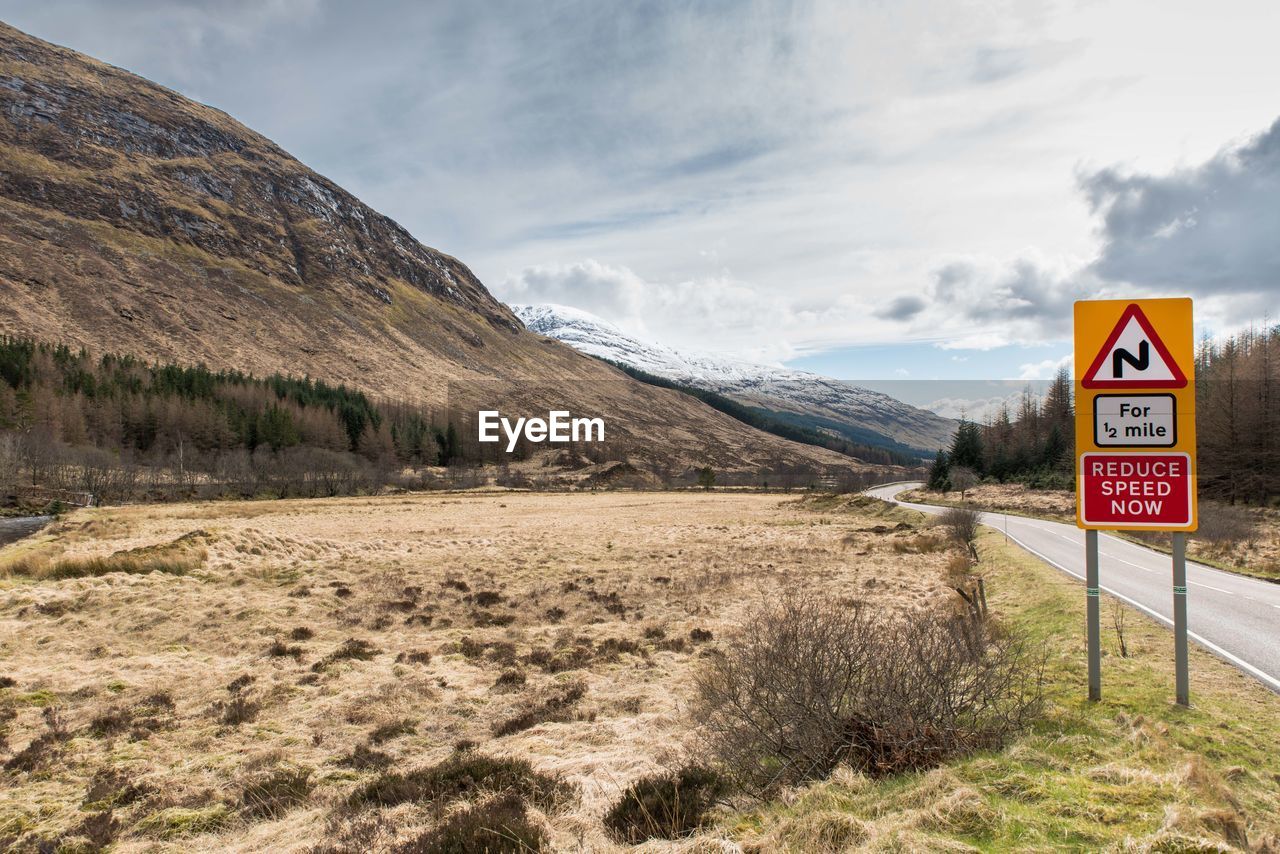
<point x="939" y="471"/>
<point x="966" y="447"/>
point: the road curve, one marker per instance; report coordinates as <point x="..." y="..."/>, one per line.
<point x="1232" y="616"/>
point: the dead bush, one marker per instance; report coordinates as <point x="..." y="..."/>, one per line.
<point x="364" y="758"/>
<point x="272" y="795"/>
<point x="392" y="730"/>
<point x="918" y="545"/>
<point x="961" y="525"/>
<point x="806" y="684"/>
<point x="99" y="830"/>
<point x="665" y="806"/>
<point x="466" y="774"/>
<point x="555" y="708"/>
<point x="280" y="649"/>
<point x="348" y="650"/>
<point x="1225" y="525"/>
<point x="238" y="710"/>
<point x="498" y="826"/>
<point x="44" y="747"/>
<point x="510" y="680"/>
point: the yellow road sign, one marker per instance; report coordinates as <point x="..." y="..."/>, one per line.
<point x="1135" y="415"/>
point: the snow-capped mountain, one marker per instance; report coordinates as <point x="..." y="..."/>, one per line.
<point x="817" y="401"/>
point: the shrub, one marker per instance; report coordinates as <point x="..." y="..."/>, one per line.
<point x="280" y="649"/>
<point x="510" y="680"/>
<point x="665" y="806"/>
<point x="364" y="758"/>
<point x="110" y="788"/>
<point x="919" y="545"/>
<point x="238" y="710"/>
<point x="1225" y="525"/>
<point x="391" y="730"/>
<point x="961" y="525"/>
<point x="463" y="774"/>
<point x="43" y="747"/>
<point x="352" y="648"/>
<point x="98" y="829"/>
<point x="557" y="708"/>
<point x="112" y="721"/>
<point x="500" y="826"/>
<point x="807" y="684"/>
<point x="272" y="796"/>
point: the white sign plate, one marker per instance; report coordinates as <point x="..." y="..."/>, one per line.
<point x="1135" y="421"/>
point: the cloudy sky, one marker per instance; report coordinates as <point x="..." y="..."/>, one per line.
<point x="872" y="189"/>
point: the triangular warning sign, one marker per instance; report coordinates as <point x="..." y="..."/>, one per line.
<point x="1134" y="357"/>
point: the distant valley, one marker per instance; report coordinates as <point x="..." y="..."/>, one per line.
<point x="800" y="398"/>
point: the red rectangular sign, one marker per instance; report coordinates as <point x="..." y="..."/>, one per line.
<point x="1135" y="490"/>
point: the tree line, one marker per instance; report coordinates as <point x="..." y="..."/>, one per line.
<point x="122" y="428"/>
<point x="1238" y="414"/>
<point x="1237" y="418"/>
<point x="1030" y="442"/>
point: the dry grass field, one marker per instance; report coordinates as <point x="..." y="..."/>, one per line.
<point x="313" y="676"/>
<point x="229" y="644"/>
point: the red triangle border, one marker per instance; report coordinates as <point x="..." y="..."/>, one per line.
<point x="1131" y="311"/>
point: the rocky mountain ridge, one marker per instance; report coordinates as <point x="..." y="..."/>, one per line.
<point x="136" y="221"/>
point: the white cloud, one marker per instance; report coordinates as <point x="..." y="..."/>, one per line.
<point x="681" y="314"/>
<point x="1044" y="369"/>
<point x="760" y="176"/>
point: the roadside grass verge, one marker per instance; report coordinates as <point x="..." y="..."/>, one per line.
<point x="1133" y="772"/>
<point x="174" y="558"/>
<point x="924" y="496"/>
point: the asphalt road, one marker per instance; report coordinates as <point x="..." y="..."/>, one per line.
<point x="1232" y="616"/>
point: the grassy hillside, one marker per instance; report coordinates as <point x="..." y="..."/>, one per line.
<point x="136" y="221"/>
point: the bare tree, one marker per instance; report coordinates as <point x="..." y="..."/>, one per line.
<point x="963" y="479"/>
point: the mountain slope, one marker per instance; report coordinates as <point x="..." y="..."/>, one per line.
<point x="134" y="220"/>
<point x="815" y="400"/>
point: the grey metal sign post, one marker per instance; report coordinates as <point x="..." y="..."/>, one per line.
<point x="1182" y="679"/>
<point x="1092" y="614"/>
